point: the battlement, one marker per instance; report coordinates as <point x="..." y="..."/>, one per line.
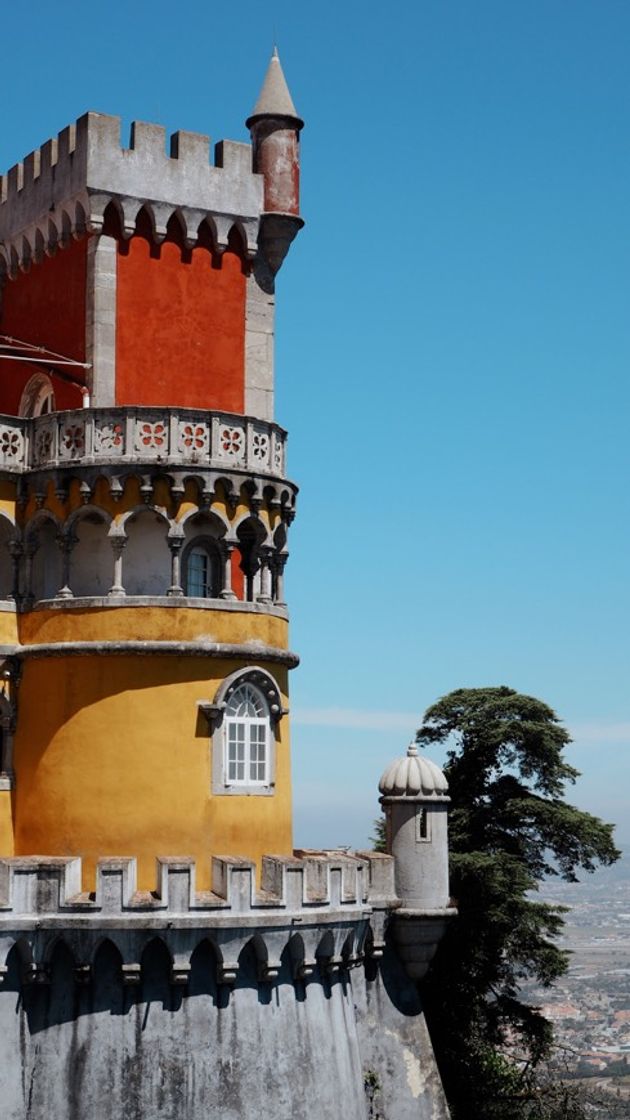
<point x="34" y="887"/>
<point x="63" y="188"/>
<point x="315" y="909"/>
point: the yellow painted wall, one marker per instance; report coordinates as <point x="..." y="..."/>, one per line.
<point x="113" y="758"/>
<point x="175" y="624"/>
<point x="7" y="499"/>
<point x="8" y="627"/>
<point x="6" y="823"/>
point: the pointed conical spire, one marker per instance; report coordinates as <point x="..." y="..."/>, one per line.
<point x="274" y="99"/>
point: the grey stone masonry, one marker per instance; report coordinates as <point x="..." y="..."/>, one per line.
<point x="68" y="183"/>
<point x="226" y="1005"/>
<point x="259" y="333"/>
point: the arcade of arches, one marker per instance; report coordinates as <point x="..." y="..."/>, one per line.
<point x="144" y="554"/>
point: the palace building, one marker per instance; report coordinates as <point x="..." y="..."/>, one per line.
<point x="170" y="953"/>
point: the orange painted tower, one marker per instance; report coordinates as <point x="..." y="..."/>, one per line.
<point x="143" y="494"/>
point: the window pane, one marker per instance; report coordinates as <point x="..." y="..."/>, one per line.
<point x="247" y="730"/>
<point x="199" y="573"/>
<point x="247" y="701"/>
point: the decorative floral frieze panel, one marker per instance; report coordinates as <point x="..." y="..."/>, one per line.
<point x="109" y="438"/>
<point x="231" y="442"/>
<point x="132" y="435"/>
<point x="193" y="439"/>
<point x="71" y="440"/>
<point x="43" y="443"/>
<point x="260" y="445"/>
<point x="151" y="437"/>
<point x="278" y="455"/>
<point x="11" y="445"/>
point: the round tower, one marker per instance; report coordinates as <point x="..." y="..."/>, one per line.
<point x="143" y="539"/>
<point x="414" y="795"/>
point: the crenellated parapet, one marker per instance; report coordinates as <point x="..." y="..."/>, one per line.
<point x="62" y="189"/>
<point x="326" y="910"/>
<point x="226" y="1002"/>
<point x="316" y="910"/>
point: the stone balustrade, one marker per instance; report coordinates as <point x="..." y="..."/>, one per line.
<point x="122" y="436"/>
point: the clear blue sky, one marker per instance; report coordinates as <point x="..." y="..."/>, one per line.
<point x="453" y="345"/>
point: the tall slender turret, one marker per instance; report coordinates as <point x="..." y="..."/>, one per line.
<point x="275" y="130"/>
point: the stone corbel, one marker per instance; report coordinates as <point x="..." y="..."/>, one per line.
<point x="212" y="712"/>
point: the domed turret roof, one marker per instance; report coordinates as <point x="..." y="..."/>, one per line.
<point x="413" y="776"/>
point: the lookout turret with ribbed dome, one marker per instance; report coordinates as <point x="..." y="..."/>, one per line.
<point x="414" y="796"/>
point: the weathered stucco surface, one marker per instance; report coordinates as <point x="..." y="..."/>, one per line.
<point x="282" y="1050"/>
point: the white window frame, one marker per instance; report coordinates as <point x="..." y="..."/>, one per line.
<point x="38" y="396"/>
<point x="243" y="730"/>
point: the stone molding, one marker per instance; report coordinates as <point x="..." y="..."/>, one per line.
<point x="63" y="188"/>
<point x="97" y="602"/>
<point x="245" y="651"/>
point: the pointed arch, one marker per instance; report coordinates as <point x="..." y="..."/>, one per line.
<point x="204" y="963"/>
<point x="42" y="536"/>
<point x="91" y="559"/>
<point x="176" y="230"/>
<point x="113" y="219"/>
<point x="204" y="555"/>
<point x="146" y="563"/>
<point x="251" y="536"/>
<point x="9" y="538"/>
<point x="155" y="970"/>
<point x="207" y="235"/>
<point x="107" y="974"/>
<point x="145" y="224"/>
<point x="237" y="244"/>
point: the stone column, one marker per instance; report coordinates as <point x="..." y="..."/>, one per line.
<point x="264" y="595"/>
<point x="175" y="545"/>
<point x="279" y="564"/>
<point x="16" y="550"/>
<point x="66" y="544"/>
<point x="226" y="592"/>
<point x="7" y="724"/>
<point x="118" y="545"/>
<point x="30" y="548"/>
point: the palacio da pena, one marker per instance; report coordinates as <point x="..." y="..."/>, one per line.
<point x="165" y="953"/>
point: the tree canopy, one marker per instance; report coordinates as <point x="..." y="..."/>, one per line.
<point x="509" y="828"/>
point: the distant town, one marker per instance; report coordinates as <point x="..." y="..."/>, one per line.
<point x="590" y="1006"/>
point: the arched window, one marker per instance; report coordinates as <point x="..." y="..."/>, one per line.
<point x="247" y="737"/>
<point x="38" y="397"/>
<point x="202" y="569"/>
